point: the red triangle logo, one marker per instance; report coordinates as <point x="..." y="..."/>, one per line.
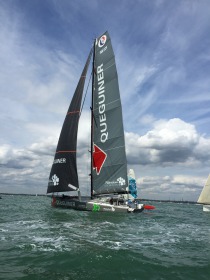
<point x="99" y="157"/>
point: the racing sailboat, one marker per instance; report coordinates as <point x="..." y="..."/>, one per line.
<point x="204" y="197"/>
<point x="109" y="188"/>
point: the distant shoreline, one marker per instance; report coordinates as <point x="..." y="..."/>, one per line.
<point x="142" y="199"/>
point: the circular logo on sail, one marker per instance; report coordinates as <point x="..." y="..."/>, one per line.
<point x="102" y="41"/>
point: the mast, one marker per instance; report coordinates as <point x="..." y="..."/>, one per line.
<point x="91" y="141"/>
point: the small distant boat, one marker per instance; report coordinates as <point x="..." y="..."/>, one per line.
<point x="109" y="186"/>
<point x="204" y="197"/>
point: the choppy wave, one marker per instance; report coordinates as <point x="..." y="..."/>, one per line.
<point x="172" y="242"/>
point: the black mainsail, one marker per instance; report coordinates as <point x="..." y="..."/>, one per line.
<point x="63" y="175"/>
<point x="109" y="170"/>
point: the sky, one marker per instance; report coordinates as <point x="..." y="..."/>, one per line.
<point x="163" y="61"/>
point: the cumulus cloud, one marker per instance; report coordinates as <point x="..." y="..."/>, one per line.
<point x="170" y="142"/>
<point x="24" y="170"/>
<point x="17" y="158"/>
<point x="177" y="187"/>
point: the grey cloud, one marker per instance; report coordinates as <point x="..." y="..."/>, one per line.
<point x="171" y="142"/>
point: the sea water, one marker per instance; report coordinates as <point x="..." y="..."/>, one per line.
<point x="41" y="242"/>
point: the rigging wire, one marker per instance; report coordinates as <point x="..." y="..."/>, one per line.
<point x="86" y="90"/>
<point x="86" y="93"/>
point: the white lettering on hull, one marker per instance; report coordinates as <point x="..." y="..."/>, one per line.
<point x="65" y="203"/>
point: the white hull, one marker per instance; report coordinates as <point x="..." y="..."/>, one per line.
<point x="97" y="205"/>
<point x="206" y="208"/>
<point x="107" y="207"/>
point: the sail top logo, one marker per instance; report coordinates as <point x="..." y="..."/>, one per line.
<point x="102" y="41"/>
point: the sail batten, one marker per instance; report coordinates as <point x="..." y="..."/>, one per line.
<point x="110" y="103"/>
<point x="75" y="112"/>
<point x="66" y="152"/>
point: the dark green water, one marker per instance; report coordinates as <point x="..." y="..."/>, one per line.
<point x="40" y="242"/>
